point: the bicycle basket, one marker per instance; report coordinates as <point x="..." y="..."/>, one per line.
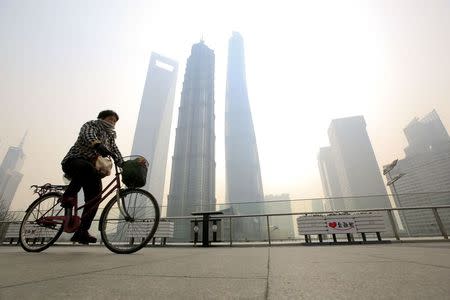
<point x="134" y="172"/>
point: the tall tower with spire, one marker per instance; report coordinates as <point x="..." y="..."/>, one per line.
<point x="10" y="176"/>
<point x="243" y="174"/>
<point x="192" y="184"/>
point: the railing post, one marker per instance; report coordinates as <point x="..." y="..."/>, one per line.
<point x="268" y="230"/>
<point x="394" y="225"/>
<point x="231" y="235"/>
<point x="440" y="224"/>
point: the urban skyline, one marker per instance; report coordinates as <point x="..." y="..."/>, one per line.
<point x="311" y="137"/>
<point x="297" y="82"/>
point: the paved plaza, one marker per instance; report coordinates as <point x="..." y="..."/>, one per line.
<point x="384" y="271"/>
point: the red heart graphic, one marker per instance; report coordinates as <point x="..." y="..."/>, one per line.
<point x="332" y="224"/>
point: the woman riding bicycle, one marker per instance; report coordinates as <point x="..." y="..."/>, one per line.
<point x="96" y="138"/>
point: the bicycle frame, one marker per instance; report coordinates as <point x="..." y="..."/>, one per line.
<point x="70" y="220"/>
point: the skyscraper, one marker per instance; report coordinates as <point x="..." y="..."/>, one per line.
<point x="281" y="227"/>
<point x="330" y="181"/>
<point x="151" y="138"/>
<point x="243" y="175"/>
<point x="10" y="175"/>
<point x="425" y="175"/>
<point x="425" y="134"/>
<point x="356" y="166"/>
<point x="192" y="184"/>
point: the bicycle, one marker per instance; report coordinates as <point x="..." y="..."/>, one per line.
<point x="128" y="221"/>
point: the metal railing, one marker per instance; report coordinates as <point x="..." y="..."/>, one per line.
<point x="389" y="212"/>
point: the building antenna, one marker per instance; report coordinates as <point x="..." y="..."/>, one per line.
<point x="23" y="139"/>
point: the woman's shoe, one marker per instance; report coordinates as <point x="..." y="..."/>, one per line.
<point x="83" y="237"/>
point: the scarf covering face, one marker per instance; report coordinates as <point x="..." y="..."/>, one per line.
<point x="109" y="128"/>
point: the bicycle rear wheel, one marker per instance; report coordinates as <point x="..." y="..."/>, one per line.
<point x="129" y="222"/>
<point x="39" y="229"/>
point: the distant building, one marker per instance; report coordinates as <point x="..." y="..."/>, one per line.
<point x="330" y="181"/>
<point x="425" y="179"/>
<point x="355" y="164"/>
<point x="10" y="176"/>
<point x="281" y="227"/>
<point x="319" y="205"/>
<point x="192" y="184"/>
<point x="151" y="138"/>
<point x="425" y="134"/>
<point x="10" y="183"/>
<point x="243" y="174"/>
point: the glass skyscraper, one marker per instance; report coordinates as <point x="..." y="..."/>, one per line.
<point x="10" y="176"/>
<point x="350" y="169"/>
<point x="424" y="175"/>
<point x="330" y="181"/>
<point x="243" y="175"/>
<point x="192" y="184"/>
<point x="151" y="138"/>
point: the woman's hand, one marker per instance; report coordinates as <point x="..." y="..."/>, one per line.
<point x="102" y="150"/>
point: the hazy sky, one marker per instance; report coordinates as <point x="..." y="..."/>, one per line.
<point x="61" y="62"/>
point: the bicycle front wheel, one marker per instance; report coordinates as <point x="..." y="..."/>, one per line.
<point x="129" y="222"/>
<point x="42" y="224"/>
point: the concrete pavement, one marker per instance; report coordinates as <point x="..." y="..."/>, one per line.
<point x="386" y="271"/>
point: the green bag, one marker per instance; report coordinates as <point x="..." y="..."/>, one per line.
<point x="134" y="173"/>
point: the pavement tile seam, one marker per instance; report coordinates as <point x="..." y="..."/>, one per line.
<point x="301" y="275"/>
<point x="350" y="262"/>
<point x="266" y="292"/>
<point x="185" y="276"/>
<point x="419" y="247"/>
<point x="164" y="288"/>
<point x="88" y="273"/>
<point x="411" y="262"/>
<point x="442" y="245"/>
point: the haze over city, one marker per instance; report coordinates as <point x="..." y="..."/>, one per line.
<point x="307" y="62"/>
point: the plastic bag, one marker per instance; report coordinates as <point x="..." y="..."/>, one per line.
<point x="103" y="165"/>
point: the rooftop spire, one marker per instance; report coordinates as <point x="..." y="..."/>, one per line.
<point x="23" y="139"/>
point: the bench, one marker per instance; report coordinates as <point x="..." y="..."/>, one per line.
<point x="165" y="230"/>
<point x="349" y="224"/>
<point x="12" y="233"/>
<point x="36" y="232"/>
<point x="370" y="223"/>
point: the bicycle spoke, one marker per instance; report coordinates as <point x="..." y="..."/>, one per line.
<point x="124" y="229"/>
<point x="37" y="236"/>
